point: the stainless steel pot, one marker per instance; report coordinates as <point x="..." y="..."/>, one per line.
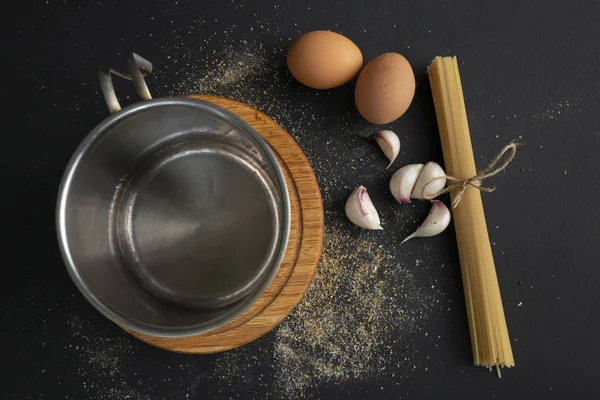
<point x="173" y="214"/>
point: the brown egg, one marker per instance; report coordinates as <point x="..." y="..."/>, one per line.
<point x="323" y="59"/>
<point x="385" y="88"/>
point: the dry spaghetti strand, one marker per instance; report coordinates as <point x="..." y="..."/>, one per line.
<point x="487" y="324"/>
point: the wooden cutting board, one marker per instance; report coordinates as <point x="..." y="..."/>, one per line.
<point x="302" y="253"/>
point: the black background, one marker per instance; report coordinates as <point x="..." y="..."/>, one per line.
<point x="528" y="68"/>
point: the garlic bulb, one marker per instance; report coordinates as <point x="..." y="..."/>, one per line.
<point x="360" y="210"/>
<point x="389" y="143"/>
<point x="431" y="180"/>
<point x="403" y="181"/>
<point x="435" y="223"/>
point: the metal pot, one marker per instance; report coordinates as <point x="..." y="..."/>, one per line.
<point x="173" y="214"/>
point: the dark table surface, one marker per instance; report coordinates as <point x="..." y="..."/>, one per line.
<point x="528" y="68"/>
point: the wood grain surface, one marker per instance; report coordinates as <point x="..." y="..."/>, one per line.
<point x="302" y="253"/>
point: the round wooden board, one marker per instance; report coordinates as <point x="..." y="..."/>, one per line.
<point x="302" y="253"/>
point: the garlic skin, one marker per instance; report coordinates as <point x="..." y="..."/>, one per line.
<point x="435" y="223"/>
<point x="390" y="144"/>
<point x="403" y="181"/>
<point x="361" y="211"/>
<point x="430" y="171"/>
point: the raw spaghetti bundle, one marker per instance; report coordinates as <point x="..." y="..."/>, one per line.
<point x="487" y="324"/>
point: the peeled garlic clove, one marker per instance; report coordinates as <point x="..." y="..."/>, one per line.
<point x="360" y="210"/>
<point x="403" y="181"/>
<point x="435" y="223"/>
<point x="389" y="143"/>
<point x="430" y="171"/>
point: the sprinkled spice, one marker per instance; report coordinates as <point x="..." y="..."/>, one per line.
<point x="101" y="362"/>
<point x="242" y="71"/>
<point x="361" y="317"/>
<point x="359" y="306"/>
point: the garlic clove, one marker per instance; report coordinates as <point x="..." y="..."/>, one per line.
<point x="361" y="211"/>
<point x="435" y="223"/>
<point x="403" y="181"/>
<point x="390" y="144"/>
<point x="431" y="172"/>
